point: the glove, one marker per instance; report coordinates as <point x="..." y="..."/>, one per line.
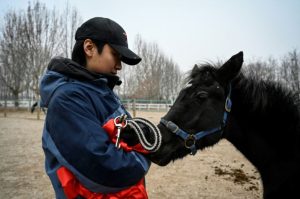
<point x="129" y="136"/>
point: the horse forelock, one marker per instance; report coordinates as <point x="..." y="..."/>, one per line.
<point x="201" y="69"/>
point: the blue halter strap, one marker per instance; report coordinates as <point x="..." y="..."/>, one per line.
<point x="190" y="139"/>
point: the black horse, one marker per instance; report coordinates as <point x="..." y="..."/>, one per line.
<point x="263" y="124"/>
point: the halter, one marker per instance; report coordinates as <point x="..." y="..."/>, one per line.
<point x="190" y="139"/>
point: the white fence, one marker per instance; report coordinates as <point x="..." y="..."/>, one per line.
<point x="22" y="103"/>
<point x="148" y="107"/>
<point x="128" y="105"/>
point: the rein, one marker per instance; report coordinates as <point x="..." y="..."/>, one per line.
<point x="190" y="139"/>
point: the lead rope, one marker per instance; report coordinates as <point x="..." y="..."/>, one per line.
<point x="134" y="124"/>
<point x="151" y="147"/>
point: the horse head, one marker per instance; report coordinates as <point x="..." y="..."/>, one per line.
<point x="198" y="116"/>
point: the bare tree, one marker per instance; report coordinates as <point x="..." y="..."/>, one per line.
<point x="29" y="39"/>
<point x="129" y="83"/>
<point x="171" y="80"/>
<point x="70" y="20"/>
<point x="13" y="48"/>
<point x="290" y="69"/>
<point x="156" y="77"/>
<point x="43" y="35"/>
<point x="265" y="70"/>
<point x="48" y="34"/>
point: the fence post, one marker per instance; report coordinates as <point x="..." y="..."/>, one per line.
<point x="5" y="107"/>
<point x="38" y="113"/>
<point x="29" y="104"/>
<point x="133" y="108"/>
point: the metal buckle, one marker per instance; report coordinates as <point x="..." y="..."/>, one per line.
<point x="121" y="121"/>
<point x="191" y="138"/>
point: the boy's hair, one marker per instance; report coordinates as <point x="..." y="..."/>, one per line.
<point x="78" y="54"/>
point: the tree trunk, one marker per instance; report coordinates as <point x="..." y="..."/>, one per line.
<point x="16" y="99"/>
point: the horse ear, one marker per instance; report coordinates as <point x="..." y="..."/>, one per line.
<point x="231" y="68"/>
<point x="194" y="71"/>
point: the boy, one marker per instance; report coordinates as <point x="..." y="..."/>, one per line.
<point x="81" y="161"/>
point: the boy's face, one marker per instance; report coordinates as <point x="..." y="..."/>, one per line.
<point x="108" y="62"/>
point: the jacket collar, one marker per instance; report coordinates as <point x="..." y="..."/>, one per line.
<point x="73" y="70"/>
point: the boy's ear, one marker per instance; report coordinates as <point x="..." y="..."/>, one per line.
<point x="88" y="46"/>
<point x="231" y="68"/>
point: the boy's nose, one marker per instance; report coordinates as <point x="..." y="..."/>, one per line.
<point x="119" y="66"/>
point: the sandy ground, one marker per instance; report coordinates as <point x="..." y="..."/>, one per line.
<point x="217" y="172"/>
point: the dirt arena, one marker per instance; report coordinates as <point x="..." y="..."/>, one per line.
<point x="218" y="172"/>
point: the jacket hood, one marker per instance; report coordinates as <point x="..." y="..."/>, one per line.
<point x="60" y="70"/>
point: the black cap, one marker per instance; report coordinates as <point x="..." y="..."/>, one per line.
<point x="107" y="31"/>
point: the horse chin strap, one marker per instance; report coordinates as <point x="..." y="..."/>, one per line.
<point x="190" y="139"/>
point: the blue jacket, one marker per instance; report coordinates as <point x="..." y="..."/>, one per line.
<point x="79" y="102"/>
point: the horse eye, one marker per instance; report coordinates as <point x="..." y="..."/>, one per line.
<point x="202" y="94"/>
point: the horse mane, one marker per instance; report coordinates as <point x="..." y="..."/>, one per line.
<point x="200" y="68"/>
<point x="266" y="93"/>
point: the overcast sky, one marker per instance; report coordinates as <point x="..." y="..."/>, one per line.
<point x="194" y="31"/>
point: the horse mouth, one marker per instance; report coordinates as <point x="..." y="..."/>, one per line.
<point x="162" y="159"/>
<point x="161" y="162"/>
<point x="159" y="159"/>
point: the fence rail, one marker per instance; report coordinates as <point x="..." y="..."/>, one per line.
<point x="26" y="103"/>
<point x="148" y="105"/>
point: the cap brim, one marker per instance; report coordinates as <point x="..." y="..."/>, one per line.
<point x="127" y="56"/>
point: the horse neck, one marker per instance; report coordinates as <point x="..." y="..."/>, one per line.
<point x="263" y="123"/>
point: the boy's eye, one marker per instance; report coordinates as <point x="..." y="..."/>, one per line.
<point x="117" y="55"/>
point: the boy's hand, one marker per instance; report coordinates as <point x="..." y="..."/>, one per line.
<point x="128" y="135"/>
